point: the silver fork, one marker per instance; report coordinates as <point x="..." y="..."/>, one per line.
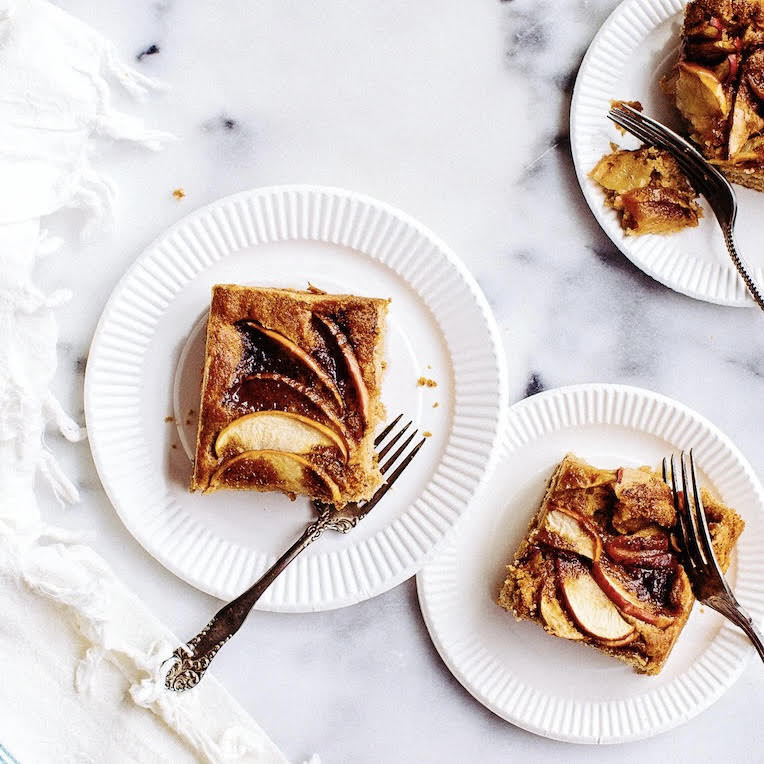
<point x="704" y="177"/>
<point x="190" y="661"/>
<point x="706" y="578"/>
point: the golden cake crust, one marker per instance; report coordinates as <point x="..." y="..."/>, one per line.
<point x="639" y="504"/>
<point x="290" y="313"/>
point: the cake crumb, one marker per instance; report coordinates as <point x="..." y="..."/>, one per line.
<point x="178" y="193"/>
<point x="169" y="419"/>
<point x="190" y="412"/>
<point x="425" y="382"/>
<point x="435" y="405"/>
<point x="426" y="434"/>
<point x="174" y="445"/>
<point x="428" y="366"/>
<point x="188" y="421"/>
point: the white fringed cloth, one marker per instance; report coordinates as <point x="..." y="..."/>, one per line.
<point x="80" y="656"/>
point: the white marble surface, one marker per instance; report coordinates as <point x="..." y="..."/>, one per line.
<point x="457" y="113"/>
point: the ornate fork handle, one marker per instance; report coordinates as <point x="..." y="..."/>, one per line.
<point x="731" y="609"/>
<point x="740" y="264"/>
<point x="189" y="662"/>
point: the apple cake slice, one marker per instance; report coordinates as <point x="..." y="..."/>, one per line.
<point x="600" y="564"/>
<point x="717" y="85"/>
<point x="291" y="393"/>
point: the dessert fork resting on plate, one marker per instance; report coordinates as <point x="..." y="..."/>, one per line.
<point x="706" y="578"/>
<point x="704" y="177"/>
<point x="190" y="661"/>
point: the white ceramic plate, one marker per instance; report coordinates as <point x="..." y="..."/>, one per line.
<point x="542" y="683"/>
<point x="145" y="364"/>
<point x="635" y="47"/>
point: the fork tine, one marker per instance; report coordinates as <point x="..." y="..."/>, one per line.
<point x="680" y="513"/>
<point x="396" y="474"/>
<point x="389" y="463"/>
<point x="393" y="441"/>
<point x="633" y="127"/>
<point x="382" y="435"/>
<point x="656" y="128"/>
<point x="704" y="533"/>
<point x="690" y="514"/>
<point x="689" y="158"/>
<point x="649" y="131"/>
<point x="686" y="149"/>
<point x="643" y="131"/>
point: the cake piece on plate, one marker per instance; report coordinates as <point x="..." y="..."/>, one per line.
<point x="291" y="393"/>
<point x="717" y="85"/>
<point x="648" y="191"/>
<point x="599" y="564"/>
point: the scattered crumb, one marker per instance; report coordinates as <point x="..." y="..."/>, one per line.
<point x="702" y="609"/>
<point x="427" y="434"/>
<point x="178" y="193"/>
<point x="190" y="412"/>
<point x="425" y="382"/>
<point x="174" y="445"/>
<point x="435" y="405"/>
<point x="428" y="366"/>
<point x="188" y="421"/>
<point x="169" y="419"/>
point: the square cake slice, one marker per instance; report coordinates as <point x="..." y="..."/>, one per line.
<point x="291" y="393"/>
<point x="600" y="564"/>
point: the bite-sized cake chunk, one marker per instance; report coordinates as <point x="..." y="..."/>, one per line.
<point x="648" y="190"/>
<point x="291" y="393"/>
<point x="600" y="563"/>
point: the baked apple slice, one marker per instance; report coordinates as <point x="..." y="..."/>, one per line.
<point x="552" y="612"/>
<point x="275" y="470"/>
<point x="591" y="609"/>
<point x="351" y="364"/>
<point x="642" y="550"/>
<point x="291" y="395"/>
<point x="277" y="431"/>
<point x="300" y="356"/>
<point x="626" y="600"/>
<point x="700" y="97"/>
<point x="570" y="532"/>
<point x="745" y="119"/>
